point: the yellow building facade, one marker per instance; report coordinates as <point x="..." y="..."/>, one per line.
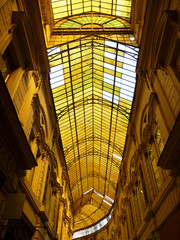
<point x="45" y="191"/>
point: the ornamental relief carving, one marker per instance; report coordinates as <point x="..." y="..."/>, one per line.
<point x="56" y="187"/>
<point x="37" y="79"/>
<point x="35" y="103"/>
<point x="35" y="76"/>
<point x="45" y="151"/>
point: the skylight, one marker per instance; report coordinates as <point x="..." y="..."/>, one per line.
<point x="56" y="72"/>
<point x="92" y="82"/>
<point x="92" y="58"/>
<point x="67" y="8"/>
<point x="53" y="50"/>
<point x="128" y="58"/>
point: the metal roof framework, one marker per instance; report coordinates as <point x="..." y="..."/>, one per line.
<point x="93" y="57"/>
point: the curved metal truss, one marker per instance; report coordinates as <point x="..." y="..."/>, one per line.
<point x="89" y="22"/>
<point x="82" y="19"/>
<point x="93" y="138"/>
<point x="92" y="100"/>
<point x="94" y="153"/>
<point x="94" y="175"/>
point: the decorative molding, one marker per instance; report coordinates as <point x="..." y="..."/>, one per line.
<point x="35" y="76"/>
<point x="36" y="104"/>
<point x="56" y="187"/>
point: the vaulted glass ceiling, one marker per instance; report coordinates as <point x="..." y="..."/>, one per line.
<point x="64" y="8"/>
<point x="93" y="58"/>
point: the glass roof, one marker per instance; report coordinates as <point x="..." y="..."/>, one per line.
<point x="64" y="8"/>
<point x="93" y="59"/>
